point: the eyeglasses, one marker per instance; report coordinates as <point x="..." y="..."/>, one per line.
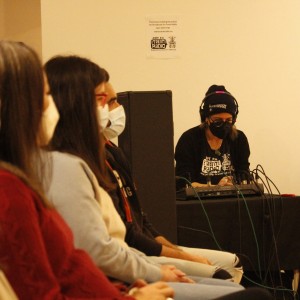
<point x="101" y="97"/>
<point x="218" y="122"/>
<point x="111" y="101"/>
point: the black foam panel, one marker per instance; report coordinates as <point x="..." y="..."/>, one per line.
<point x="148" y="142"/>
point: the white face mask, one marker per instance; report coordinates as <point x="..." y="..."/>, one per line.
<point x="103" y="116"/>
<point x="117" y="119"/>
<point x="50" y="118"/>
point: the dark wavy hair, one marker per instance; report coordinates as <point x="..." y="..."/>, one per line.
<point x="72" y="80"/>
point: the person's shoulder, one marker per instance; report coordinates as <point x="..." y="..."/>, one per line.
<point x="193" y="133"/>
<point x="112" y="148"/>
<point x="241" y="135"/>
<point x="8" y="176"/>
<point x="241" y="138"/>
<point x="11" y="174"/>
<point x="14" y="184"/>
<point x="67" y="159"/>
<point x="65" y="164"/>
<point x="110" y="144"/>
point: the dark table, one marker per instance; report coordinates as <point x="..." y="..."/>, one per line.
<point x="263" y="230"/>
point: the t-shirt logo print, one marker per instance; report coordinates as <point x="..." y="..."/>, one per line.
<point x="212" y="166"/>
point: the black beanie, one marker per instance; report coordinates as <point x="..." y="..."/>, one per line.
<point x="218" y="100"/>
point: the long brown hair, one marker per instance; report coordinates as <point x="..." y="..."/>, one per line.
<point x="21" y="107"/>
<point x="72" y="81"/>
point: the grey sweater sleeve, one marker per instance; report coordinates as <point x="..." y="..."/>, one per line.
<point x="73" y="193"/>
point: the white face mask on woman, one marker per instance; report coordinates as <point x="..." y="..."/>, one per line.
<point x="117" y="120"/>
<point x="50" y="118"/>
<point x="103" y="116"/>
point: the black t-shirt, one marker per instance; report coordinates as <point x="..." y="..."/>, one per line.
<point x="215" y="163"/>
<point x="197" y="162"/>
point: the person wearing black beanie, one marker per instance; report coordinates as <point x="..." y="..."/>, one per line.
<point x="214" y="152"/>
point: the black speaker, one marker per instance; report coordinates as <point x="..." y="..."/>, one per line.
<point x="148" y="142"/>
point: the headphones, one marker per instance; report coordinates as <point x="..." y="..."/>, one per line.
<point x="203" y="111"/>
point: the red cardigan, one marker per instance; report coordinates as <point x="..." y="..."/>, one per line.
<point x="37" y="253"/>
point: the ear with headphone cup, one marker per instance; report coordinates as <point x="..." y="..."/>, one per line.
<point x="201" y="111"/>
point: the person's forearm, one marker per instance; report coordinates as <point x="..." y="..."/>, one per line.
<point x="179" y="254"/>
<point x="174" y="253"/>
<point x="162" y="240"/>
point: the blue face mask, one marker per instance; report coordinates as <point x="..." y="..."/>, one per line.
<point x="220" y="129"/>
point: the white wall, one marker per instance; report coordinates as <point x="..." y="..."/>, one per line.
<point x="1" y="18"/>
<point x="252" y="47"/>
<point x="21" y="21"/>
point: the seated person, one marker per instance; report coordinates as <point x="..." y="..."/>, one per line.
<point x="214" y="152"/>
<point x="78" y="180"/>
<point x="141" y="234"/>
<point x="37" y="254"/>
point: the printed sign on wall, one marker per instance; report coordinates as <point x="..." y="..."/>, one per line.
<point x="162" y="36"/>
